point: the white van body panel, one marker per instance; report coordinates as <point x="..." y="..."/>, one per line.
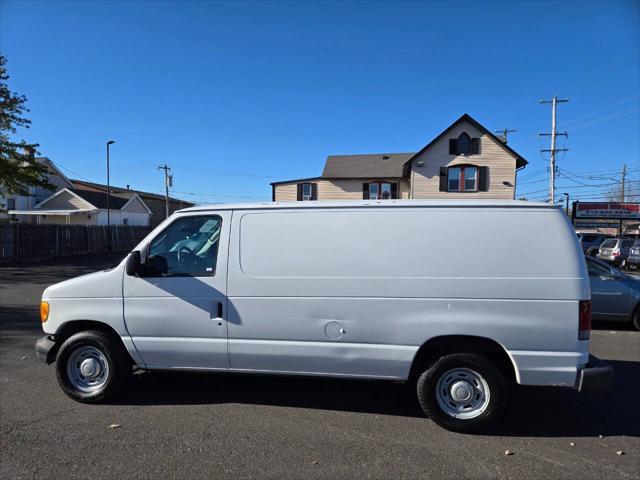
<point x="355" y="289"/>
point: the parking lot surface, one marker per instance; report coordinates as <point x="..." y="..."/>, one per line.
<point x="226" y="426"/>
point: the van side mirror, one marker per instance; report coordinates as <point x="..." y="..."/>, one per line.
<point x="133" y="263"/>
<point x="158" y="265"/>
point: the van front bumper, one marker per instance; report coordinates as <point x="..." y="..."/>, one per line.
<point x="46" y="349"/>
<point x="596" y="375"/>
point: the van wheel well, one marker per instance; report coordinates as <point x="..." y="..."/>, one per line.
<point x="73" y="327"/>
<point x="436" y="347"/>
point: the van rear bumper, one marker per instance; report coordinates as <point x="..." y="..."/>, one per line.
<point x="596" y="375"/>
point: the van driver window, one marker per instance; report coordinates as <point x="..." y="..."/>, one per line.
<point x="189" y="246"/>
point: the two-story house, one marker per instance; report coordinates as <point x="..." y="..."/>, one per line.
<point x="465" y="160"/>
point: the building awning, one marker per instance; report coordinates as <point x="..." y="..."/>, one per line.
<point x="50" y="212"/>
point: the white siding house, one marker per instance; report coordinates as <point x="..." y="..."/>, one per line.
<point x="82" y="207"/>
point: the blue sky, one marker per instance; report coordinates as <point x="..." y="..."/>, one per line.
<point x="236" y="95"/>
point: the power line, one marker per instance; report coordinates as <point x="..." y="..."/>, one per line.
<point x="573" y="120"/>
<point x="606" y="118"/>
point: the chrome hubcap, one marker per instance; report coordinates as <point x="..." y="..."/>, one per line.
<point x="462" y="393"/>
<point x="87" y="369"/>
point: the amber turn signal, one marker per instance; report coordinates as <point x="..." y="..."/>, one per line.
<point x="44" y="311"/>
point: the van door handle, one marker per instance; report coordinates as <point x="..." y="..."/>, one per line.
<point x="220" y="310"/>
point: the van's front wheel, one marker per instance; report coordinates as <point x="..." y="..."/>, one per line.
<point x="462" y="392"/>
<point x="91" y="367"/>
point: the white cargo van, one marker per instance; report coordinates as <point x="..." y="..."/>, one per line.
<point x="460" y="297"/>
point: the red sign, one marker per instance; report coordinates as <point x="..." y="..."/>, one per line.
<point x="607" y="210"/>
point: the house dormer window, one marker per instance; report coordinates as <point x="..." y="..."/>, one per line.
<point x="464" y="145"/>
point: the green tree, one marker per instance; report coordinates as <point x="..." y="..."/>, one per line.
<point x="18" y="167"/>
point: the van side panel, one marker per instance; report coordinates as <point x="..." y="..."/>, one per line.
<point x="357" y="291"/>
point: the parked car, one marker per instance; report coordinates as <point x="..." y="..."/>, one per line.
<point x="614" y="250"/>
<point x="614" y="295"/>
<point x="388" y="290"/>
<point x="632" y="262"/>
<point x="590" y="242"/>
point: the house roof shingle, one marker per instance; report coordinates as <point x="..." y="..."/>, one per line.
<point x="382" y="165"/>
<point x="99" y="199"/>
<point x="123" y="192"/>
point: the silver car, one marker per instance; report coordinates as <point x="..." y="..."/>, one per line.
<point x="615" y="250"/>
<point x="614" y="295"/>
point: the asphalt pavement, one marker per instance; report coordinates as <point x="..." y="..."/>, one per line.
<point x="189" y="425"/>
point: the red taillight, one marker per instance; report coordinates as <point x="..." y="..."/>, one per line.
<point x="584" y="322"/>
<point x="616" y="253"/>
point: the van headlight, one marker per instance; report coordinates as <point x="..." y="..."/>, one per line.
<point x="44" y="311"/>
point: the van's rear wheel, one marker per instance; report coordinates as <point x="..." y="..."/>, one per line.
<point x="91" y="367"/>
<point x="462" y="392"/>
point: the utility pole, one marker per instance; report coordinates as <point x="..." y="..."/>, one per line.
<point x="505" y="132"/>
<point x="553" y="150"/>
<point x="566" y="205"/>
<point x="622" y="196"/>
<point x="109" y="143"/>
<point x="168" y="182"/>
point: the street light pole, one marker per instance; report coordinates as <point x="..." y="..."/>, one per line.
<point x="110" y="142"/>
<point x="566" y="206"/>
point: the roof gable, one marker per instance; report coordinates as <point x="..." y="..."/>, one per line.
<point x="520" y="161"/>
<point x="54" y="170"/>
<point x="65" y="199"/>
<point x="136" y="205"/>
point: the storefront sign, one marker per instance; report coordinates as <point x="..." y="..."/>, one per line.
<point x="607" y="210"/>
<point x="596" y="225"/>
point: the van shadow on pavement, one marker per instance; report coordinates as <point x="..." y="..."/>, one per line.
<point x="532" y="412"/>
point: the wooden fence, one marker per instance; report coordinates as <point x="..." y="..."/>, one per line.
<point x="24" y="242"/>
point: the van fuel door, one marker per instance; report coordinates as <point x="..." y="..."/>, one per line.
<point x="334" y="331"/>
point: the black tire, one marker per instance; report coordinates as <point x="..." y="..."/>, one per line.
<point x="428" y="381"/>
<point x="636" y="318"/>
<point x="117" y="359"/>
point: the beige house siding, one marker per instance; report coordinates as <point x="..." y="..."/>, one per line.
<point x="342" y="189"/>
<point x="426" y="179"/>
<point x="75" y="219"/>
<point x="66" y="201"/>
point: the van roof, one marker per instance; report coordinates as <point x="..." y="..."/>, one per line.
<point x="371" y="203"/>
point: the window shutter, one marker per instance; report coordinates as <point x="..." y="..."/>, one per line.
<point x="314" y="191"/>
<point x="365" y="191"/>
<point x="443" y="179"/>
<point x="394" y="190"/>
<point x="453" y="146"/>
<point x="483" y="179"/>
<point x="299" y="192"/>
<point x="475" y="146"/>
